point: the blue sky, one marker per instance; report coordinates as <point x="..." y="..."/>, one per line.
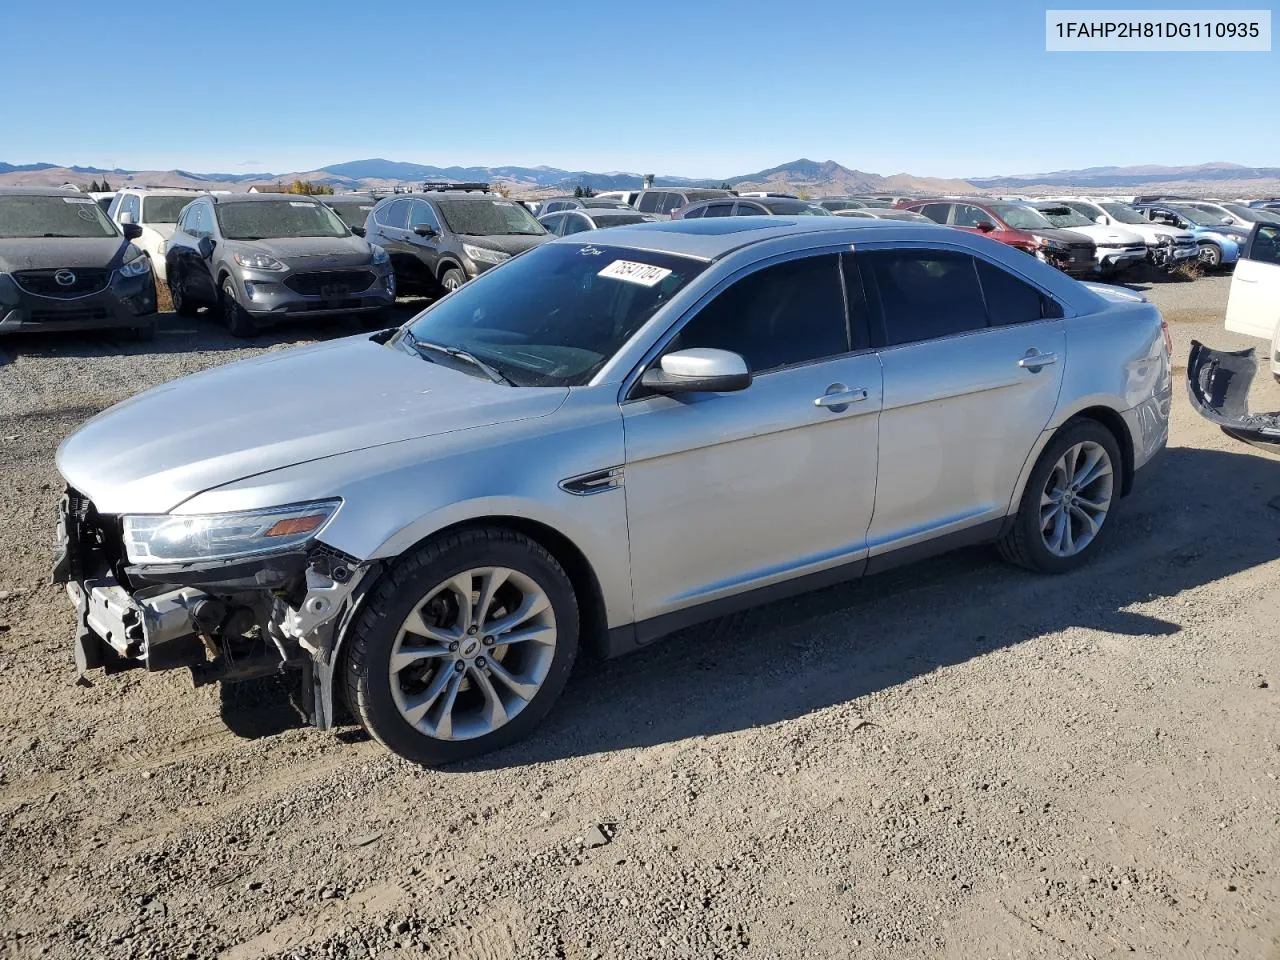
<point x="696" y="89"/>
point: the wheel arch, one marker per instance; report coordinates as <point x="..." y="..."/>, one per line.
<point x="1106" y="416"/>
<point x="447" y="263"/>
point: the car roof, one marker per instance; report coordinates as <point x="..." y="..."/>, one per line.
<point x="710" y="239"/>
<point x="161" y="191"/>
<point x="221" y="198"/>
<point x="39" y="192"/>
<point x="348" y="197"/>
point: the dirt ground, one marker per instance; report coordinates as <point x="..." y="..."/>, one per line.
<point x="956" y="759"/>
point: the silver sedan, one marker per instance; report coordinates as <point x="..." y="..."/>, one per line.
<point x="609" y="437"/>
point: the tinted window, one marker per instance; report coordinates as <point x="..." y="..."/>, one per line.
<point x="575" y="223"/>
<point x="200" y="222"/>
<point x="163" y="209"/>
<point x="749" y="210"/>
<point x="694" y="213"/>
<point x="937" y="212"/>
<point x="967" y="215"/>
<point x="395" y="214"/>
<point x="421" y="215"/>
<point x="553" y="205"/>
<point x="923" y="295"/>
<point x="352" y="213"/>
<point x="719" y="210"/>
<point x="554" y="315"/>
<point x="1266" y="245"/>
<point x="789" y="313"/>
<point x="648" y="202"/>
<point x="553" y="222"/>
<point x="1010" y="300"/>
<point x="670" y="201"/>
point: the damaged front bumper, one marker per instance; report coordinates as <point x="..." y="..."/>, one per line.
<point x="1218" y="383"/>
<point x="224" y="621"/>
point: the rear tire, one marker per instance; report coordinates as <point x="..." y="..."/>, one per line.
<point x="469" y="692"/>
<point x="1067" y="505"/>
<point x="236" y="318"/>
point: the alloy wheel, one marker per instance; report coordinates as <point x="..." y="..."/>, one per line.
<point x="472" y="653"/>
<point x="1076" y="498"/>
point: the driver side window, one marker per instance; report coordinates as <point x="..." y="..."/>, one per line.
<point x="421" y="215"/>
<point x="781" y="315"/>
<point x="1266" y="245"/>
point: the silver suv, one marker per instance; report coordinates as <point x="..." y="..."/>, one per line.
<point x="604" y="439"/>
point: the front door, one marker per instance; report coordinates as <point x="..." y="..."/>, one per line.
<point x="1253" y="306"/>
<point x="973" y="358"/>
<point x="424" y="250"/>
<point x="731" y="491"/>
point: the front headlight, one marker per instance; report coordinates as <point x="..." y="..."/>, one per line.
<point x="379" y="254"/>
<point x="259" y="261"/>
<point x="484" y="254"/>
<point x="1056" y="245"/>
<point x="1164" y="240"/>
<point x="170" y="538"/>
<point x="137" y="266"/>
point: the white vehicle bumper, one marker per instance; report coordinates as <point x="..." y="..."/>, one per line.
<point x="1117" y="258"/>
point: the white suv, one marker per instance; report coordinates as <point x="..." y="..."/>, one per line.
<point x="1167" y="246"/>
<point x="156" y="212"/>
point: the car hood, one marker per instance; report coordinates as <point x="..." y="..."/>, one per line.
<point x="1108" y="236"/>
<point x="312" y="253"/>
<point x="1061" y="234"/>
<point x="165" y="230"/>
<point x="150" y="453"/>
<point x="48" y="253"/>
<point x="507" y="244"/>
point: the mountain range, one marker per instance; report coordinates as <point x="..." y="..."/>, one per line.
<point x="813" y="177"/>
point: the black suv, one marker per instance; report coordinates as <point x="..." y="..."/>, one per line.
<point x="440" y="239"/>
<point x="65" y="266"/>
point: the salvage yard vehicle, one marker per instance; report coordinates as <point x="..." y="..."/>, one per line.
<point x="1253" y="304"/>
<point x="1237" y="214"/>
<point x="554" y="204"/>
<point x="1117" y="249"/>
<point x="65" y="266"/>
<point x="353" y="209"/>
<point x="156" y="211"/>
<point x="1167" y="246"/>
<point x="750" y="207"/>
<point x="1017" y="225"/>
<point x="576" y="221"/>
<point x="260" y="258"/>
<point x="661" y="201"/>
<point x="606" y="439"/>
<point x="1219" y="242"/>
<point x="440" y="239"/>
<point x="884" y="213"/>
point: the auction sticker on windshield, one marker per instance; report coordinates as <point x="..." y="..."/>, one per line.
<point x="645" y="274"/>
<point x="79" y="200"/>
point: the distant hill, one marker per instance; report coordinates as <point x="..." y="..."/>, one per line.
<point x="819" y="178"/>
<point x="1137" y="176"/>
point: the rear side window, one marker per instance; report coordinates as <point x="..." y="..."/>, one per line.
<point x="1010" y="300"/>
<point x="553" y="223"/>
<point x="648" y="202"/>
<point x="695" y="213"/>
<point x="923" y="294"/>
<point x="749" y="210"/>
<point x="395" y="214"/>
<point x="781" y="315"/>
<point x="719" y="209"/>
<point x="670" y="201"/>
<point x="937" y="212"/>
<point x="575" y="223"/>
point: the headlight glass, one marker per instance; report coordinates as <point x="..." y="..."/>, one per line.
<point x="259" y="261"/>
<point x="379" y="254"/>
<point x="136" y="267"/>
<point x="1164" y="240"/>
<point x="484" y="254"/>
<point x="172" y="538"/>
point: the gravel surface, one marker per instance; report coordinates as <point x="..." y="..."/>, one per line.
<point x="953" y="759"/>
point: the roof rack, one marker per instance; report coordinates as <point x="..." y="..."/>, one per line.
<point x="450" y="185"/>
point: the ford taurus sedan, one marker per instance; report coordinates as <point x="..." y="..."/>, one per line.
<point x="605" y="439"/>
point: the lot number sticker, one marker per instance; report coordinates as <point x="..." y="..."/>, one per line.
<point x="89" y="200"/>
<point x="644" y="274"/>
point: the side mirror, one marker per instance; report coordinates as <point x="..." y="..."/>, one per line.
<point x="130" y="229"/>
<point x="986" y="226"/>
<point x="1101" y="218"/>
<point x="205" y="247"/>
<point x="127" y="217"/>
<point x="358" y="231"/>
<point x="424" y="230"/>
<point x="698" y="370"/>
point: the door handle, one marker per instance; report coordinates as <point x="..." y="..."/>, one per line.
<point x="1034" y="360"/>
<point x="841" y="396"/>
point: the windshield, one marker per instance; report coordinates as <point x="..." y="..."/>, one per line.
<point x="1196" y="215"/>
<point x="1253" y="214"/>
<point x="24" y="215"/>
<point x="1020" y="218"/>
<point x="1123" y="214"/>
<point x="277" y="219"/>
<point x="163" y="209"/>
<point x="554" y="316"/>
<point x="1064" y="216"/>
<point x="352" y="213"/>
<point x="794" y="208"/>
<point x="484" y="217"/>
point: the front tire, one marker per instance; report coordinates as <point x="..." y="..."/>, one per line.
<point x="1211" y="256"/>
<point x="452" y="279"/>
<point x="236" y="318"/>
<point x="1068" y="500"/>
<point x="463" y="647"/>
<point x="183" y="305"/>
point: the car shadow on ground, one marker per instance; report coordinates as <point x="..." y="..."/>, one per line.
<point x="794" y="657"/>
<point x="203" y="333"/>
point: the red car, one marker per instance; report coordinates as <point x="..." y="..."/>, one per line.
<point x="1017" y="225"/>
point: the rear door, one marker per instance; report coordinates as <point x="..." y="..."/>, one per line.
<point x="1253" y="306"/>
<point x="393" y="222"/>
<point x="973" y="358"/>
